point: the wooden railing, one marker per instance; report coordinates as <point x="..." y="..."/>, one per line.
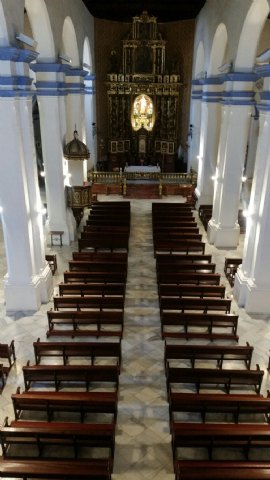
<point x="163" y="178"/>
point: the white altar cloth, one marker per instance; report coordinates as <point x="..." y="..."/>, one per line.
<point x="143" y="168"/>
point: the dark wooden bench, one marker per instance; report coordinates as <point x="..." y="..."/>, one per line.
<point x="211" y="436"/>
<point x="91" y="266"/>
<point x="63" y="434"/>
<point x="209" y="376"/>
<point x="101" y="257"/>
<point x="65" y="350"/>
<point x="73" y="324"/>
<point x="184" y="246"/>
<point x="217" y="470"/>
<point x="160" y="206"/>
<point x="172" y="322"/>
<point x="57" y="375"/>
<point x="160" y="237"/>
<point x="52" y="261"/>
<point x="203" y="304"/>
<point x="105" y="229"/>
<point x="51" y="403"/>
<point x="188" y="290"/>
<point x="95" y="220"/>
<point x="7" y="351"/>
<point x="230" y="268"/>
<point x="196" y="278"/>
<point x="233" y="404"/>
<point x="92" y="289"/>
<point x="185" y="267"/>
<point x="94" y="277"/>
<point x="191" y="257"/>
<point x="97" y="242"/>
<point x="88" y="469"/>
<point x="175" y="230"/>
<point x="90" y="303"/>
<point x="218" y="353"/>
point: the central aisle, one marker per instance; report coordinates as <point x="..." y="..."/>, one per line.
<point x="143" y="448"/>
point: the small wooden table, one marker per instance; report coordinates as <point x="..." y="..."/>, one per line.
<point x="56" y="233"/>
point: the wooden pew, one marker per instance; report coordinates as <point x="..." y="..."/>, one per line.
<point x="188" y="290"/>
<point x="230" y="268"/>
<point x="92" y="289"/>
<point x="184" y="246"/>
<point x="185" y="267"/>
<point x="88" y="469"/>
<point x="211" y="436"/>
<point x="203" y="304"/>
<point x="209" y="376"/>
<point x="91" y="266"/>
<point x="218" y="353"/>
<point x="187" y="223"/>
<point x="52" y="261"/>
<point x="101" y="257"/>
<point x="233" y="404"/>
<point x="159" y="236"/>
<point x="51" y="403"/>
<point x="176" y="259"/>
<point x="221" y="470"/>
<point x="94" y="220"/>
<point x="98" y="242"/>
<point x="160" y="206"/>
<point x="89" y="303"/>
<point x="7" y="351"/>
<point x="65" y="350"/>
<point x="171" y="323"/>
<point x="104" y="324"/>
<point x="196" y="278"/>
<point x="104" y="230"/>
<point x="57" y="375"/>
<point x="94" y="277"/>
<point x="174" y="230"/>
<point x="65" y="434"/>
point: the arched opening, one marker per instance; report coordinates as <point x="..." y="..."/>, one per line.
<point x="142" y="113"/>
<point x="218" y="51"/>
<point x="41" y="28"/>
<point x="250" y="35"/>
<point x="89" y="105"/>
<point x="69" y="42"/>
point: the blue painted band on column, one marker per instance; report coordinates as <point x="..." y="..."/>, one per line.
<point x="263" y="107"/>
<point x="15" y="80"/>
<point x="16" y="93"/>
<point x="14" y="54"/>
<point x="238" y="102"/>
<point x="48" y="67"/>
<point x="90" y="76"/>
<point x="264" y="95"/>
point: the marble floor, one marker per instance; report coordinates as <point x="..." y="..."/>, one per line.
<point x="143" y="448"/>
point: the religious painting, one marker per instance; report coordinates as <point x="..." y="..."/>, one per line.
<point x="120" y="147"/>
<point x="171" y="147"/>
<point x="113" y="147"/>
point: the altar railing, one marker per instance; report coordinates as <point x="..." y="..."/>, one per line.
<point x="122" y="177"/>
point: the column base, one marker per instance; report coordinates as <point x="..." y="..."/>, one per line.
<point x="223" y="237"/>
<point x="203" y="198"/>
<point x="46" y="285"/>
<point x="250" y="296"/>
<point x="22" y="297"/>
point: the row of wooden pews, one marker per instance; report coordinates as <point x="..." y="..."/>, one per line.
<point x="220" y="375"/>
<point x="65" y="419"/>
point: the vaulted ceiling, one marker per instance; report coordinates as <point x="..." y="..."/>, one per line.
<point x="164" y="10"/>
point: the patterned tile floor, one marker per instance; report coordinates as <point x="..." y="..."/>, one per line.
<point x="143" y="449"/>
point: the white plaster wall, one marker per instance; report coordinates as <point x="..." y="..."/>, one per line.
<point x="230" y="12"/>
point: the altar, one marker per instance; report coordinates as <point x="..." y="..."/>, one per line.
<point x="142" y="169"/>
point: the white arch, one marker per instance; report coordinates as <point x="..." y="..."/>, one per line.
<point x="3" y="28"/>
<point x="218" y="49"/>
<point x="199" y="63"/>
<point x="90" y="110"/>
<point x="41" y="27"/>
<point x="250" y="35"/>
<point x="87" y="55"/>
<point x="69" y="42"/>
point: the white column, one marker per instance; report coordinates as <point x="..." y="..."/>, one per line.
<point x="252" y="281"/>
<point x="90" y="119"/>
<point x="28" y="281"/>
<point x="42" y="268"/>
<point x="223" y="228"/>
<point x="50" y="87"/>
<point x="209" y="139"/>
<point x="195" y="121"/>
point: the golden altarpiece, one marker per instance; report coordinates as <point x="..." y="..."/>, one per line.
<point x="143" y="100"/>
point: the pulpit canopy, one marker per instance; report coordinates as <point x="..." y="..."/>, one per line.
<point x="76" y="150"/>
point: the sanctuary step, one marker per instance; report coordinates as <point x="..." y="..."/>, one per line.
<point x="140" y="190"/>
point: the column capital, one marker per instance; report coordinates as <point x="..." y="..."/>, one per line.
<point x="13" y="54"/>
